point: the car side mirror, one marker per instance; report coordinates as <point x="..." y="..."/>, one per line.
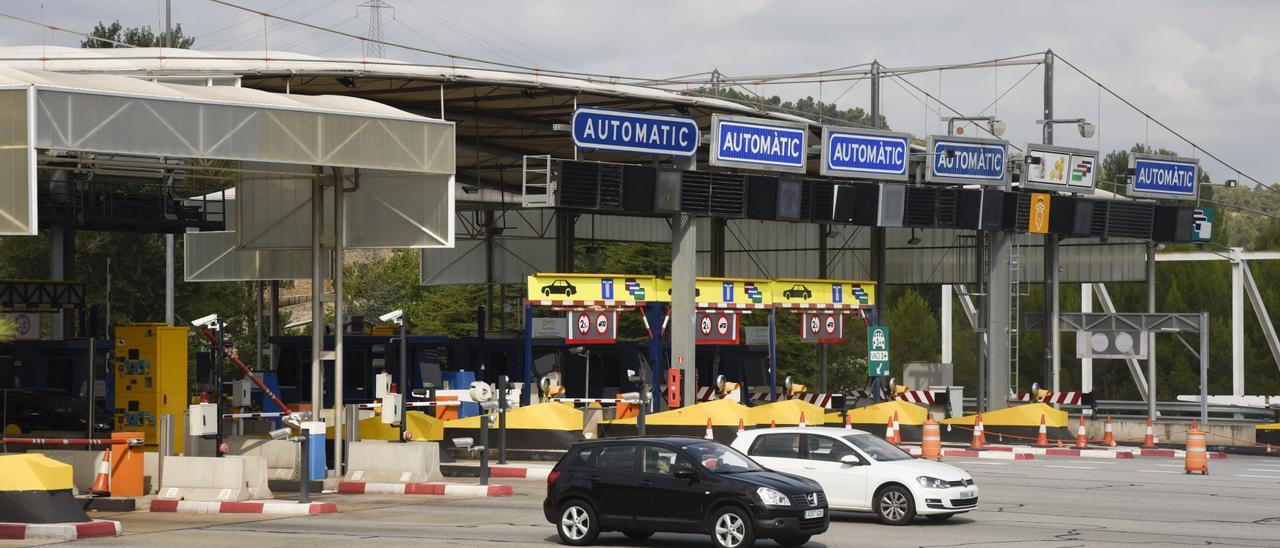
<point x="686" y="472"/>
<point x="851" y="460"/>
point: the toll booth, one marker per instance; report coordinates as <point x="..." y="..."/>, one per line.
<point x="150" y="372"/>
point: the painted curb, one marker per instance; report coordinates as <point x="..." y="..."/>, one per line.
<point x="60" y="531"/>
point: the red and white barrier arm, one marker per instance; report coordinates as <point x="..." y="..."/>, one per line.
<point x="413" y="404"/>
<point x="271" y="415"/>
<point x="208" y="334"/>
<point x="71" y="441"/>
<point x="595" y="400"/>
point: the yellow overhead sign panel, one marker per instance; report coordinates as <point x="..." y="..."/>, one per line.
<point x="589" y="289"/>
<point x="724" y="292"/>
<point x="802" y="293"/>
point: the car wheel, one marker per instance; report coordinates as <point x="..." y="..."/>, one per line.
<point x="569" y="292"/>
<point x="637" y="535"/>
<point x="894" y="506"/>
<point x="731" y="528"/>
<point x="939" y="517"/>
<point x="793" y="541"/>
<point x="578" y="525"/>
<point x="546" y="292"/>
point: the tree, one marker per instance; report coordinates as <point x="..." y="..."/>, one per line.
<point x="141" y="37"/>
<point x="808" y="106"/>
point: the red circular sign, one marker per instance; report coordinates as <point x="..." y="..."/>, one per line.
<point x="705" y="324"/>
<point x="584" y="324"/>
<point x="722" y="325"/>
<point x="831" y="324"/>
<point x="602" y="323"/>
<point x="814" y="324"/>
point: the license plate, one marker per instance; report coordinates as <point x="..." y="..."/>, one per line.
<point x="810" y="514"/>
<point x="968" y="494"/>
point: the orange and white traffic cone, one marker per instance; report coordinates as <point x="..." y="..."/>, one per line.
<point x="773" y="423"/>
<point x="1108" y="439"/>
<point x="102" y="482"/>
<point x="1042" y="438"/>
<point x="1149" y="441"/>
<point x="930" y="440"/>
<point x="741" y="426"/>
<point x="710" y="435"/>
<point x="848" y="423"/>
<point x="802" y="425"/>
<point x="897" y="429"/>
<point x="979" y="436"/>
<point x="1197" y="460"/>
<point x="1081" y="441"/>
<point x="888" y="431"/>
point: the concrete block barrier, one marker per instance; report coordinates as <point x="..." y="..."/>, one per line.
<point x="60" y="531"/>
<point x="283" y="456"/>
<point x="224" y="479"/>
<point x="392" y="462"/>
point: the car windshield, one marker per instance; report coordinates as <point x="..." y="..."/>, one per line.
<point x="719" y="458"/>
<point x="878" y="449"/>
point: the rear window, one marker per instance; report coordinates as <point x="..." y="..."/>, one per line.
<point x="617" y="457"/>
<point x="785" y="446"/>
<point x="582" y="457"/>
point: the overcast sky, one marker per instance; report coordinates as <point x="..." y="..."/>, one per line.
<point x="1210" y="70"/>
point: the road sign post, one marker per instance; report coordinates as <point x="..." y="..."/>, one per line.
<point x="878" y="351"/>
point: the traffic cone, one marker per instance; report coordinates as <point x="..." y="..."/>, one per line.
<point x="802" y="425"/>
<point x="897" y="429"/>
<point x="710" y="435"/>
<point x="1196" y="459"/>
<point x="930" y="440"/>
<point x="979" y="437"/>
<point x="1042" y="438"/>
<point x="1107" y="438"/>
<point x="1149" y="441"/>
<point x="102" y="482"/>
<point x="848" y="423"/>
<point x="773" y="423"/>
<point x="1081" y="442"/>
<point x="888" y="431"/>
<point x="741" y="426"/>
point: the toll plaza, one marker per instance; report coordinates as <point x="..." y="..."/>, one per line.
<point x="498" y="178"/>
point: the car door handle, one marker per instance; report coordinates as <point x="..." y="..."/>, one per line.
<point x="810" y="468"/>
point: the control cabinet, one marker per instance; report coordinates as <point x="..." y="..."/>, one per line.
<point x="151" y="380"/>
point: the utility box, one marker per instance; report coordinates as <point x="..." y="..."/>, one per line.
<point x="204" y="419"/>
<point x="150" y="369"/>
<point x="391" y="409"/>
<point x="242" y="393"/>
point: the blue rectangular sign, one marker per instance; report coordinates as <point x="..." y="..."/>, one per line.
<point x="758" y="144"/>
<point x="966" y="160"/>
<point x="623" y="131"/>
<point x="1164" y="177"/>
<point x="865" y="153"/>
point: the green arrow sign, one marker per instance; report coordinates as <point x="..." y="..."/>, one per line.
<point x="878" y="351"/>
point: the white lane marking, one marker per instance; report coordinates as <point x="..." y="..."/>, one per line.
<point x="1072" y="467"/>
<point x="1262" y="470"/>
<point x="1160" y="471"/>
<point x="1257" y="476"/>
<point x="1171" y="465"/>
<point x="981" y="462"/>
<point x="1093" y="462"/>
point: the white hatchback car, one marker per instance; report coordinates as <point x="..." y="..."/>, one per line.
<point x="863" y="473"/>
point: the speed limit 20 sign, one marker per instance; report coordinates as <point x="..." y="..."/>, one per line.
<point x="592" y="327"/>
<point x="825" y="327"/>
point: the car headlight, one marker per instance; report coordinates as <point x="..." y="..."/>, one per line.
<point x="931" y="482"/>
<point x="771" y="497"/>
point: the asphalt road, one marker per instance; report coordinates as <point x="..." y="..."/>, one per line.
<point x="1047" y="502"/>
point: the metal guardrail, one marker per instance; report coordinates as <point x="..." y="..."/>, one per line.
<point x="1138" y="409"/>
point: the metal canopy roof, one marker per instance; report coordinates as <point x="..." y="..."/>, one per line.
<point x="127" y="116"/>
<point x="501" y="115"/>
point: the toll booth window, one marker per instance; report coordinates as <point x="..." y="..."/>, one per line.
<point x="658" y="460"/>
<point x="617" y="457"/>
<point x="781" y="446"/>
<point x="826" y="449"/>
<point x="580" y="458"/>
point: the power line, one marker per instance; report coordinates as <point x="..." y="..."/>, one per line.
<point x="509" y="37"/>
<point x="1151" y="118"/>
<point x="56" y="28"/>
<point x="373" y="48"/>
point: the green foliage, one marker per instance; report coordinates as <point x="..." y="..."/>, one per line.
<point x="142" y="37"/>
<point x="8" y="330"/>
<point x="808" y="107"/>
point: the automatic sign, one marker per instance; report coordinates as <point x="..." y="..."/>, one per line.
<point x="592" y="327"/>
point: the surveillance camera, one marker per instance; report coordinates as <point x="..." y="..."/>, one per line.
<point x="996" y="127"/>
<point x="1087" y="129"/>
<point x="280" y="433"/>
<point x="463" y="443"/>
<point x="210" y="321"/>
<point x="394" y="316"/>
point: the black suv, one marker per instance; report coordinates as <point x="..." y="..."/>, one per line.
<point x="682" y="485"/>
